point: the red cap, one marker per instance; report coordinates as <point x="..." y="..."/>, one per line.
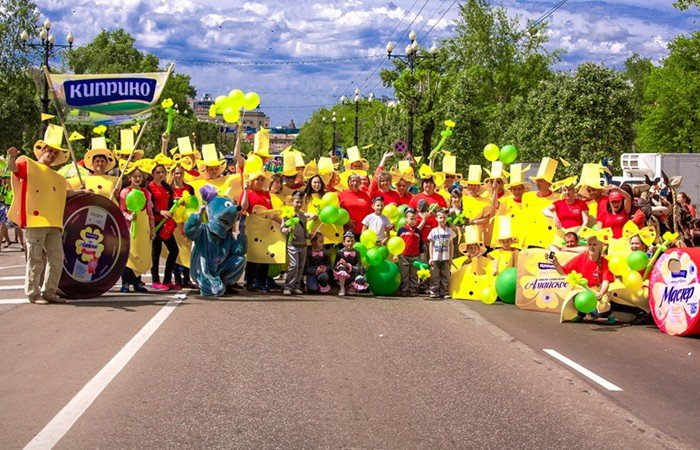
<point x="615" y="196"/>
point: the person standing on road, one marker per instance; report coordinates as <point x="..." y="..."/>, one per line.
<point x="39" y="200"/>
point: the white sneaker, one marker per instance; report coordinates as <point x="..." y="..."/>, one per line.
<point x="341" y="293"/>
<point x="287" y="292"/>
<point x="297" y="292"/>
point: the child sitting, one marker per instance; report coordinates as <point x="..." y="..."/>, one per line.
<point x="347" y="267"/>
<point x="319" y="263"/>
<point x="377" y="222"/>
<point x="410" y="233"/>
<point x="296" y="246"/>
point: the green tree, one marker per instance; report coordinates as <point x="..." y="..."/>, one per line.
<point x="581" y="117"/>
<point x="16" y="16"/>
<point x="685" y="5"/>
<point x="637" y="70"/>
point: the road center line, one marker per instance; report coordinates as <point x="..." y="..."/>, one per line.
<point x="64" y="420"/>
<point x="582" y="370"/>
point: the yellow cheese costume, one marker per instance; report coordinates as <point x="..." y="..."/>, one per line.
<point x="100" y="184"/>
<point x="540" y="228"/>
<point x="590" y="177"/>
<point x="473" y="278"/>
<point x="140" y="243"/>
<point x="229" y="186"/>
<point x="504" y="259"/>
<point x="492" y="232"/>
<point x="476" y="207"/>
<point x="266" y="243"/>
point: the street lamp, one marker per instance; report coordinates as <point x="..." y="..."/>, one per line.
<point x="47" y="46"/>
<point x="409" y="57"/>
<point x="357" y="99"/>
<point x="334" y="121"/>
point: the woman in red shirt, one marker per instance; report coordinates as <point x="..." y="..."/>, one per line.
<point x="162" y="196"/>
<point x="429" y="197"/>
<point x="616" y="212"/>
<point x="569" y="212"/>
<point x="356" y="202"/>
<point x="256" y="194"/>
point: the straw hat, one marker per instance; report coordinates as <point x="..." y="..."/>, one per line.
<point x="546" y="171"/>
<point x="126" y="142"/>
<point x="53" y="138"/>
<point x="99" y="148"/>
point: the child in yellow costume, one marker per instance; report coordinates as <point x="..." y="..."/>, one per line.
<point x="540" y="229"/>
<point x="497" y="193"/>
<point x="317" y="176"/>
<point x="139" y="260"/>
<point x="99" y="160"/>
<point x="506" y="256"/>
<point x="474" y="277"/>
<point x="475" y="206"/>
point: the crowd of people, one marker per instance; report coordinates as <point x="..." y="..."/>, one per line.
<point x="446" y="220"/>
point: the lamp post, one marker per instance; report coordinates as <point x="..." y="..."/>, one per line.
<point x="334" y="121"/>
<point x="358" y="101"/>
<point x="47" y="46"/>
<point x="409" y="57"/>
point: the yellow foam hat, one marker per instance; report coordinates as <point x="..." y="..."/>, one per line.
<point x="604" y="235"/>
<point x="184" y="146"/>
<point x="449" y="165"/>
<point x="426" y="173"/>
<point x="517" y="176"/>
<point x="144" y="165"/>
<point x="354" y="156"/>
<point x="211" y="156"/>
<point x="473" y="176"/>
<point x="570" y="181"/>
<point x="590" y="177"/>
<point x="404" y="172"/>
<point x="261" y="143"/>
<point x="471" y="235"/>
<point x="505" y="228"/>
<point x="289" y="166"/>
<point x="99" y="147"/>
<point x="547" y="170"/>
<point x="497" y="171"/>
<point x="126" y="142"/>
<point x="646" y="234"/>
<point x="53" y="137"/>
<point x="324" y="169"/>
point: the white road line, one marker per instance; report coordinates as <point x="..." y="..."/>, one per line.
<point x="13" y="301"/>
<point x="14" y="287"/>
<point x="582" y="370"/>
<point x="12" y="267"/>
<point x="64" y="420"/>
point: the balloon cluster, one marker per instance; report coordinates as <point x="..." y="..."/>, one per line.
<point x="181" y="209"/>
<point x="507" y="154"/>
<point x="629" y="269"/>
<point x="395" y="214"/>
<point x="586" y="300"/>
<point x="135" y="201"/>
<point x="423" y="270"/>
<point x="384" y="277"/>
<point x="229" y="106"/>
<point x="329" y="210"/>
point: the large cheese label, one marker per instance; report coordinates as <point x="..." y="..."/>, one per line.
<point x="675" y="292"/>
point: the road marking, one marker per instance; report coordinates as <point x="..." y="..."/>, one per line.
<point x="64" y="420"/>
<point x="13" y="301"/>
<point x="22" y="277"/>
<point x="582" y="370"/>
<point x="12" y="267"/>
<point x="13" y="287"/>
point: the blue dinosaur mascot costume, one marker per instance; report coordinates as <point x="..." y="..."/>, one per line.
<point x="218" y="258"/>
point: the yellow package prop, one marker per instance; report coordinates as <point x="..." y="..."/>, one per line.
<point x="45" y="199"/>
<point x="100" y="184"/>
<point x="266" y="243"/>
<point x="540" y="287"/>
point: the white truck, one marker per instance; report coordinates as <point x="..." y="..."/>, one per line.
<point x="635" y="165"/>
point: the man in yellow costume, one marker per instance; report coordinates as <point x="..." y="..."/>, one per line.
<point x="540" y="229"/>
<point x="39" y="200"/>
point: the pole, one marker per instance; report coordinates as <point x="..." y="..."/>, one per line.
<point x="357" y="125"/>
<point x="411" y="110"/>
<point x="334" y="136"/>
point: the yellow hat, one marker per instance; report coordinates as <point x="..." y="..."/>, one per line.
<point x="144" y="165"/>
<point x="211" y="157"/>
<point x="570" y="181"/>
<point x="590" y="177"/>
<point x="161" y="159"/>
<point x="289" y="166"/>
<point x="53" y="138"/>
<point x="261" y="144"/>
<point x="517" y="176"/>
<point x="260" y="174"/>
<point x="404" y="172"/>
<point x="546" y="171"/>
<point x="354" y="156"/>
<point x="472" y="235"/>
<point x="324" y="169"/>
<point x="449" y="165"/>
<point x="497" y="171"/>
<point x="184" y="146"/>
<point x="126" y="141"/>
<point x="505" y="228"/>
<point x="99" y="147"/>
<point x="474" y="175"/>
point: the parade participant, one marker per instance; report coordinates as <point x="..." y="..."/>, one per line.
<point x="381" y="183"/>
<point x="636" y="244"/>
<point x="186" y="154"/>
<point x="293" y="175"/>
<point x="356" y="202"/>
<point x="477" y="205"/>
<point x="378" y="222"/>
<point x="276" y="191"/>
<point x="162" y="197"/>
<point x="593" y="266"/>
<point x="540" y="229"/>
<point x="256" y="194"/>
<point x="591" y="188"/>
<point x="685" y="202"/>
<point x="569" y="213"/>
<point x="429" y="197"/>
<point x="411" y="235"/>
<point x="455" y="205"/>
<point x="355" y="161"/>
<point x="403" y="178"/>
<point x="449" y="174"/>
<point x="38" y="202"/>
<point x="364" y="183"/>
<point x="499" y="204"/>
<point x="296" y="247"/>
<point x="212" y="167"/>
<point x="313" y="193"/>
<point x="347" y="267"/>
<point x="441" y="251"/>
<point x="616" y="212"/>
<point x="318" y="267"/>
<point x="182" y="267"/>
<point x="6" y="224"/>
<point x="314" y="190"/>
<point x="99" y="160"/>
<point x="506" y="256"/>
<point x="140" y="257"/>
<point x="126" y="142"/>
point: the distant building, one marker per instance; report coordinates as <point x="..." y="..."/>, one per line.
<point x="282" y="137"/>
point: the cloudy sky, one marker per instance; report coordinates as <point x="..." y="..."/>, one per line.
<point x="303" y="54"/>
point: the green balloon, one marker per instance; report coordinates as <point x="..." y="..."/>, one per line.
<point x="384" y="279"/>
<point x="374" y="256"/>
<point x="360" y="247"/>
<point x="329" y="214"/>
<point x="637" y="260"/>
<point x="192" y="203"/>
<point x="508" y="154"/>
<point x="401" y="223"/>
<point x="402" y="209"/>
<point x="506" y="285"/>
<point x="135" y="200"/>
<point x="384" y="251"/>
<point x="274" y="270"/>
<point x="343" y="217"/>
<point x="585" y="301"/>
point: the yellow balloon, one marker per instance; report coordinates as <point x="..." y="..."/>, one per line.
<point x="396" y="245"/>
<point x="231" y="115"/>
<point x="488" y="296"/>
<point x="369" y="238"/>
<point x="633" y="280"/>
<point x="617" y="265"/>
<point x="253" y="164"/>
<point x="491" y="152"/>
<point x="330" y="199"/>
<point x="391" y="211"/>
<point x="251" y="100"/>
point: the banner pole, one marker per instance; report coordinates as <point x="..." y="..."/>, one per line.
<point x="118" y="184"/>
<point x="59" y="113"/>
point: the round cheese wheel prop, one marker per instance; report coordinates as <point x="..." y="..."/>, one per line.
<point x="674" y="292"/>
<point x="96" y="246"/>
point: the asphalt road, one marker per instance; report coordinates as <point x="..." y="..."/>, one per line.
<point x="326" y="371"/>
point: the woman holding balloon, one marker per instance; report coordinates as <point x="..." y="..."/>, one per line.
<point x="162" y="197"/>
<point x="315" y="199"/>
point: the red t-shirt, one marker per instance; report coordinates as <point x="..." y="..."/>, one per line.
<point x="257" y="198"/>
<point x="570" y="214"/>
<point x="358" y="205"/>
<point x="405" y="199"/>
<point x="412" y="238"/>
<point x="390" y="196"/>
<point x="616" y="221"/>
<point x="583" y="264"/>
<point x="432" y="199"/>
<point x="160" y="198"/>
<point x="22" y="175"/>
<point x="602" y="205"/>
<point x="177" y="192"/>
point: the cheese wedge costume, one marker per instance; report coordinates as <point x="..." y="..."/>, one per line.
<point x="229" y="186"/>
<point x="476" y="207"/>
<point x="473" y="278"/>
<point x="591" y="176"/>
<point x="504" y="259"/>
<point x="540" y="228"/>
<point x="100" y="184"/>
<point x="39" y="200"/>
<point x="497" y="172"/>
